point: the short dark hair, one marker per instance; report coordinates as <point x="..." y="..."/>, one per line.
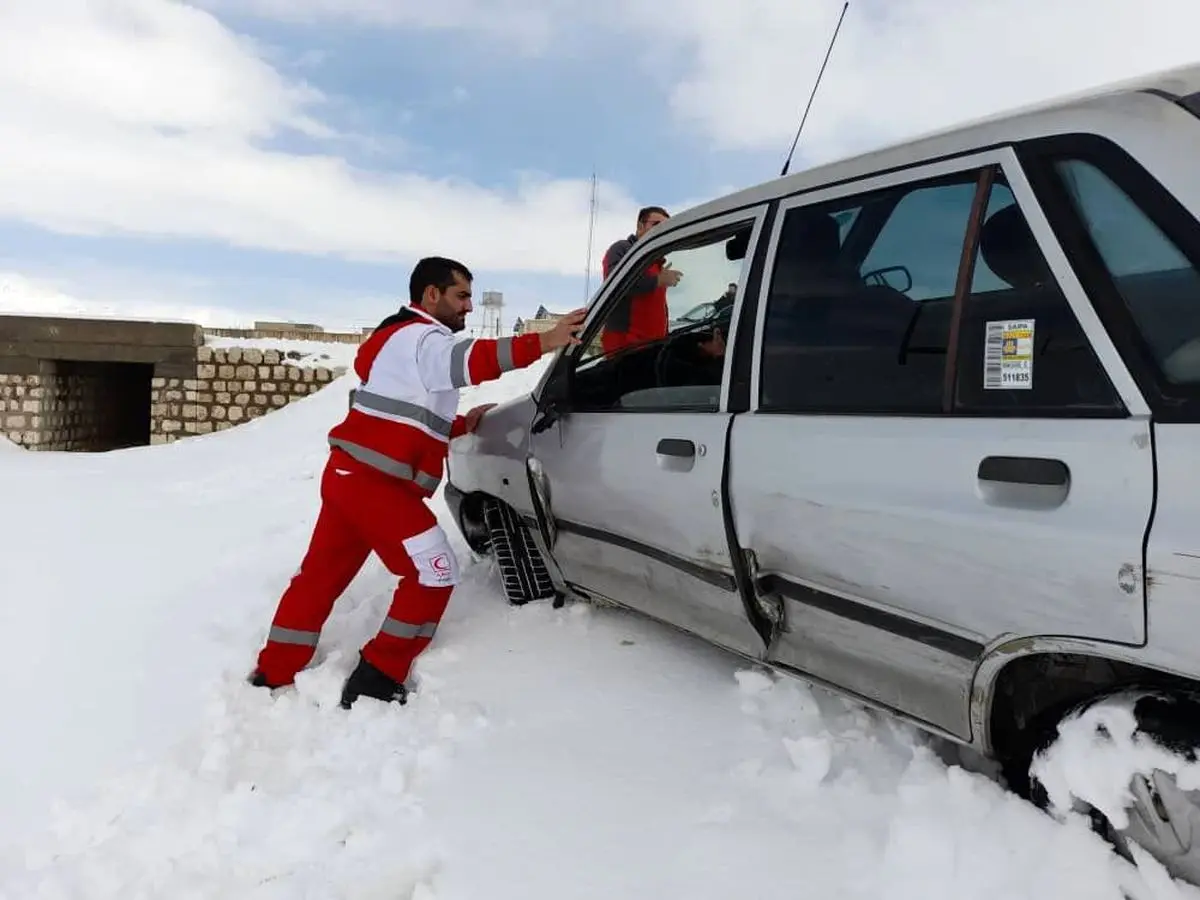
<point x="437" y="271"/>
<point x="645" y="212"/>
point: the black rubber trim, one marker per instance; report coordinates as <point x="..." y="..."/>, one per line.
<point x="680" y="447"/>
<point x="950" y="644"/>
<point x="716" y="578"/>
<point x="1191" y="103"/>
<point x="743" y="348"/>
<point x="1024" y="470"/>
<point x="743" y="577"/>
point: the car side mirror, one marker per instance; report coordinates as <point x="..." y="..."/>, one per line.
<point x="553" y="403"/>
<point x="736" y="246"/>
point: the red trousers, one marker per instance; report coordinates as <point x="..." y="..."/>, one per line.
<point x="363" y="511"/>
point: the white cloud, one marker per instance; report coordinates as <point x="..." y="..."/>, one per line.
<point x="146" y="117"/>
<point x="527" y="26"/>
<point x="22" y="295"/>
<point x="149" y="117"/>
<point x="907" y="66"/>
<point x="740" y="71"/>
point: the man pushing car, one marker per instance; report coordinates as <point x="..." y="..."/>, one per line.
<point x="386" y="459"/>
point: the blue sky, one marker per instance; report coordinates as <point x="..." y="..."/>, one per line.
<point x="235" y="159"/>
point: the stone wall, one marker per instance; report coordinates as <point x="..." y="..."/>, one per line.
<point x="71" y="410"/>
<point x="309" y="333"/>
<point x="21" y="408"/>
<point x="232" y="385"/>
<point x="75" y="406"/>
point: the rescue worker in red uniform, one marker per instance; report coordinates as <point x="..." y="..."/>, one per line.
<point x="386" y="458"/>
<point x="643" y="317"/>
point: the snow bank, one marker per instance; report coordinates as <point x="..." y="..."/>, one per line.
<point x="574" y="753"/>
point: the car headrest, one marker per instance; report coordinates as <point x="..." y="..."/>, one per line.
<point x="1009" y="248"/>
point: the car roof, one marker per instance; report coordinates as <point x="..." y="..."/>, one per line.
<point x="1013" y="124"/>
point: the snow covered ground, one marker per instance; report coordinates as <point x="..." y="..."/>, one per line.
<point x="574" y="753"/>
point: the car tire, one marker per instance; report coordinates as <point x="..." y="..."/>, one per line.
<point x="1164" y="819"/>
<point x="524" y="576"/>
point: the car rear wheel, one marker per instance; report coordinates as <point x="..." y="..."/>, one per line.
<point x="1129" y="761"/>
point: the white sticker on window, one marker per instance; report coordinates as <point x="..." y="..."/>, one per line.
<point x="1008" y="355"/>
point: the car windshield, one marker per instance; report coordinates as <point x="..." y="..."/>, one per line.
<point x="698" y="313"/>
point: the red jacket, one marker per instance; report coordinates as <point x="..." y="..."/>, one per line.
<point x="642" y="316"/>
<point x="405" y="411"/>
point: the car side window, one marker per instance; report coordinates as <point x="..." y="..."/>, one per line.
<point x="1159" y="285"/>
<point x="661" y="347"/>
<point x="1022" y="349"/>
<point x="858" y="309"/>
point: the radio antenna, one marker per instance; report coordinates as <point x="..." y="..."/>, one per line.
<point x="587" y="283"/>
<point x="787" y="163"/>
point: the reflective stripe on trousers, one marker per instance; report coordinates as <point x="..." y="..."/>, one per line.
<point x="386" y="464"/>
<point x="282" y="635"/>
<point x="398" y="629"/>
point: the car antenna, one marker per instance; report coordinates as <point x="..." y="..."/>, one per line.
<point x="587" y="283"/>
<point x="787" y="163"/>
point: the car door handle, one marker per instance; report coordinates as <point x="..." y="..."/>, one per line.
<point x="1024" y="482"/>
<point x="675" y="454"/>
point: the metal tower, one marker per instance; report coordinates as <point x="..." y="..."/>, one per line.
<point x="493" y="314"/>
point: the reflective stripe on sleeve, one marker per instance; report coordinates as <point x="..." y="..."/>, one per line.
<point x="504" y="354"/>
<point x="459" y="376"/>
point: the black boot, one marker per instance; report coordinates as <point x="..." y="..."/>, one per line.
<point x="366" y="680"/>
<point x="258" y="679"/>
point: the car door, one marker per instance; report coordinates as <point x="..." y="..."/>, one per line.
<point x="631" y="474"/>
<point x="937" y="460"/>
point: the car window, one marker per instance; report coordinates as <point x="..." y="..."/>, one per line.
<point x="1022" y="349"/>
<point x="1158" y="283"/>
<point x="857" y="319"/>
<point x="644" y="355"/>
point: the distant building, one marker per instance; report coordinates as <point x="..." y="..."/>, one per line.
<point x="543" y="320"/>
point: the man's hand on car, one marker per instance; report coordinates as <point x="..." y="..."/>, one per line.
<point x="564" y="332"/>
<point x="668" y="277"/>
<point x="714" y="345"/>
<point x="471" y="419"/>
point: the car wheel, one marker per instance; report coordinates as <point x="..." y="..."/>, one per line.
<point x="1129" y="762"/>
<point x="523" y="572"/>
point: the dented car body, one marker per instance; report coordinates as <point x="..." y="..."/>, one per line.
<point x="945" y="458"/>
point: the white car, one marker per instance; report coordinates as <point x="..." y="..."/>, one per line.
<point x="949" y="464"/>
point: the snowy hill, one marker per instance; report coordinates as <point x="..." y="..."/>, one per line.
<point x="549" y="754"/>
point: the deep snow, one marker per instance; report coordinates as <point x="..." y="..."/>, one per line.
<point x="571" y="753"/>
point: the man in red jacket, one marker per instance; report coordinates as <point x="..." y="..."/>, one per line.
<point x="386" y="458"/>
<point x="641" y="317"/>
